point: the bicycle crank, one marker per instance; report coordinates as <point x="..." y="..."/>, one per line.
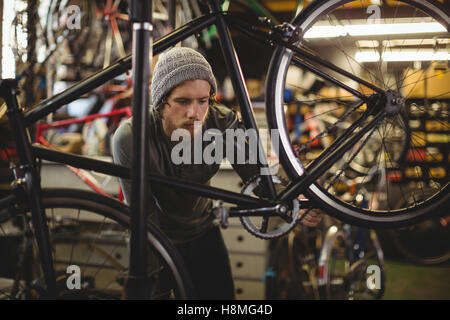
<point x="270" y="226"/>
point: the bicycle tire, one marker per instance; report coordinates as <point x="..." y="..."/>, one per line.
<point x="350" y="282"/>
<point x="105" y="250"/>
<point x="329" y="288"/>
<point x="345" y="210"/>
<point x="426" y="252"/>
<point x="424" y="243"/>
<point x="373" y="256"/>
<point x="69" y="45"/>
<point x="291" y="269"/>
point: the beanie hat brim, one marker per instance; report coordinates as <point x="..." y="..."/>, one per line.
<point x="179" y="75"/>
<point x="176" y="66"/>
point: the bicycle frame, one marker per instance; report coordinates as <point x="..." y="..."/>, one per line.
<point x="28" y="153"/>
<point x="123" y="65"/>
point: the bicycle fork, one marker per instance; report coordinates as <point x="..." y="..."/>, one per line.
<point x="30" y="182"/>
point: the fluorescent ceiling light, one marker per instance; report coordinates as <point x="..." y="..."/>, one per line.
<point x="328" y="31"/>
<point x="325" y="32"/>
<point x="402" y="55"/>
<point x="367" y="43"/>
<point x="415" y="55"/>
<point x="393" y="28"/>
<point x="414" y="42"/>
<point x="367" y="56"/>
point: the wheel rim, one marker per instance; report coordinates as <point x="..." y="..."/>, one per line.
<point x="369" y="215"/>
<point x="91" y="240"/>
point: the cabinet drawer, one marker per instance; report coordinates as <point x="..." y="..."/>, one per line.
<point x="248" y="265"/>
<point x="249" y="290"/>
<point x="238" y="239"/>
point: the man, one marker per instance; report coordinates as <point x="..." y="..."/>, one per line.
<point x="183" y="90"/>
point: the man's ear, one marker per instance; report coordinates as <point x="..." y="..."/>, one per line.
<point x="159" y="111"/>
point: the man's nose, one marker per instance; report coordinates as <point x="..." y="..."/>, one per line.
<point x="193" y="110"/>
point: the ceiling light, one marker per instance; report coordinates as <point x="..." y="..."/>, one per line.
<point x="414" y="42"/>
<point x="328" y="31"/>
<point x="367" y="56"/>
<point x="402" y="55"/>
<point x="415" y="55"/>
<point x="393" y="28"/>
<point x="325" y="32"/>
<point x="367" y="43"/>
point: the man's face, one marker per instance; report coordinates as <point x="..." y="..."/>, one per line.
<point x="186" y="104"/>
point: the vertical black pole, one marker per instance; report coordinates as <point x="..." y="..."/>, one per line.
<point x="171" y="9"/>
<point x="138" y="286"/>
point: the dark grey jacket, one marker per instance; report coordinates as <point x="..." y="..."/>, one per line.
<point x="183" y="216"/>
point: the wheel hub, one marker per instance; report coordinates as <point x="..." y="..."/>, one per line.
<point x="394" y="103"/>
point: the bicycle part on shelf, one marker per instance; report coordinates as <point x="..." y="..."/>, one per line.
<point x="264" y="230"/>
<point x="392" y="155"/>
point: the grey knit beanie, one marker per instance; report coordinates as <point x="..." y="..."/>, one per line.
<point x="177" y="65"/>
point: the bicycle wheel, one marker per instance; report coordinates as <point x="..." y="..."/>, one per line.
<point x="425" y="243"/>
<point x="395" y="154"/>
<point x="334" y="264"/>
<point x="351" y="269"/>
<point x="366" y="279"/>
<point x="292" y="267"/>
<point x="69" y="31"/>
<point x="89" y="238"/>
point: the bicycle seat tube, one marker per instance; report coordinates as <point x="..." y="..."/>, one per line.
<point x="234" y="69"/>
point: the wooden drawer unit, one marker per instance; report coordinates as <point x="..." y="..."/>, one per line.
<point x="239" y="240"/>
<point x="248" y="265"/>
<point x="249" y="290"/>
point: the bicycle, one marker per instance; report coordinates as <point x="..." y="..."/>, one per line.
<point x="330" y="262"/>
<point x="333" y="262"/>
<point x="292" y="271"/>
<point x="424" y="243"/>
<point x="370" y="108"/>
<point x="344" y="263"/>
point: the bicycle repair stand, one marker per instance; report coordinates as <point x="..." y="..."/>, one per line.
<point x="138" y="285"/>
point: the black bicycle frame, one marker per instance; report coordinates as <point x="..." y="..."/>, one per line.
<point x="123" y="65"/>
<point x="52" y="104"/>
<point x="28" y="153"/>
<point x="138" y="282"/>
<point x="8" y="91"/>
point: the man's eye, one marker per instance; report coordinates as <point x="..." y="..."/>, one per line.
<point x="203" y="101"/>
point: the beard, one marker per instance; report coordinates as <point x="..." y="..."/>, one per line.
<point x="193" y="127"/>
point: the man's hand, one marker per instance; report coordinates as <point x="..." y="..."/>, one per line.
<point x="313" y="217"/>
